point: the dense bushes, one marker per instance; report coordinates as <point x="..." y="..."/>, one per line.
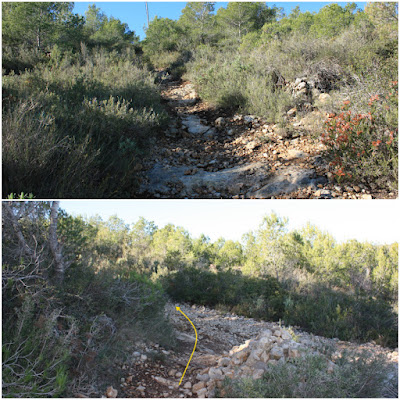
<point x="60" y="336"/>
<point x="349" y="53"/>
<point x="36" y="31"/>
<point x="304" y="277"/>
<point x="52" y="336"/>
<point x="355" y="375"/>
<point x="231" y="80"/>
<point x="334" y="63"/>
<point x="77" y="128"/>
<point x="133" y="304"/>
<point x="36" y="342"/>
<point x="329" y="313"/>
<point x="260" y="298"/>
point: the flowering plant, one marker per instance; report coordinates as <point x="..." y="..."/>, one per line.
<point x="363" y="146"/>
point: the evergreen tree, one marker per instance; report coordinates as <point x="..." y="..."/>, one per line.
<point x="110" y="32"/>
<point x="36" y="24"/>
<point x="163" y="34"/>
<point x="332" y="19"/>
<point x="197" y="18"/>
<point x="240" y="18"/>
<point x="382" y="13"/>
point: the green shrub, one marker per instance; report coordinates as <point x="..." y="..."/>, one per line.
<point x="265" y="99"/>
<point x="21" y="58"/>
<point x="78" y="130"/>
<point x="360" y="375"/>
<point x="163" y="59"/>
<point x="364" y="147"/>
<point x="221" y="83"/>
<point x="319" y="310"/>
<point x="36" y="345"/>
<point x="238" y="82"/>
<point x="134" y="304"/>
<point x="35" y="159"/>
<point x="252" y="297"/>
<point x="334" y="314"/>
<point x="53" y="336"/>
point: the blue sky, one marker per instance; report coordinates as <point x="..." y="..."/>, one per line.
<point x="134" y="13"/>
<point x="373" y="221"/>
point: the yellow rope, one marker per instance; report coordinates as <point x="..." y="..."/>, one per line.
<point x="194" y="348"/>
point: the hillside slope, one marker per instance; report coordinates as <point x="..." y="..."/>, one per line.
<point x="210" y="153"/>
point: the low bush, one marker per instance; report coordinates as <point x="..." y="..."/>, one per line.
<point x="163" y="59"/>
<point x="230" y="80"/>
<point x="355" y="375"/>
<point x="20" y="58"/>
<point x="36" y="159"/>
<point x="363" y="147"/>
<point x="77" y="128"/>
<point x="132" y="301"/>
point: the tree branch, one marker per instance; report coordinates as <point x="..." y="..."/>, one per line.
<point x="27" y="250"/>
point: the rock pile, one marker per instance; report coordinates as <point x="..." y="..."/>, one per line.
<point x="183" y="95"/>
<point x="251" y="359"/>
<point x="228" y="346"/>
<point x="304" y="92"/>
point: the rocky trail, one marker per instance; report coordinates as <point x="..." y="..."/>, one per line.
<point x="228" y="346"/>
<point x="207" y="153"/>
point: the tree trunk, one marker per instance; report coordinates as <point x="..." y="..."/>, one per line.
<point x="55" y="246"/>
<point x="38" y="43"/>
<point x="14" y="222"/>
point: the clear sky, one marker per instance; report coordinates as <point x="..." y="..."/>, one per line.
<point x="134" y="12"/>
<point x="376" y="221"/>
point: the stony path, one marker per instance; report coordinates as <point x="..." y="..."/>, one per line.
<point x="207" y="153"/>
<point x="155" y="372"/>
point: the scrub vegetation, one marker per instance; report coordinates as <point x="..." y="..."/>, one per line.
<point x="79" y="293"/>
<point x="81" y="106"/>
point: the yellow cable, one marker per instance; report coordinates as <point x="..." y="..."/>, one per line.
<point x="194" y="348"/>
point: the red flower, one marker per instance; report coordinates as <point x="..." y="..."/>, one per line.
<point x="391" y="138"/>
<point x="340" y="172"/>
<point x="376" y="143"/>
<point x="374" y="98"/>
